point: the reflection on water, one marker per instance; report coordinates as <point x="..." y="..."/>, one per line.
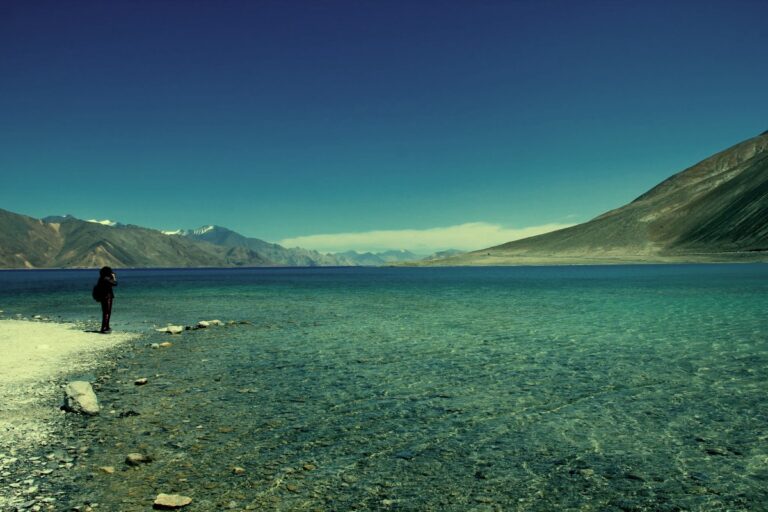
<point x="581" y="388"/>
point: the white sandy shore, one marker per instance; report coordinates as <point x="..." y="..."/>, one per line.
<point x="34" y="357"/>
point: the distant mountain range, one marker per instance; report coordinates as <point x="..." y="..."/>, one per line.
<point x="66" y="242"/>
<point x="274" y="253"/>
<point x="716" y="210"/>
<point x="297" y="256"/>
<point x="379" y="258"/>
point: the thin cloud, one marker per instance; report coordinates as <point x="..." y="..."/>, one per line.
<point x="468" y="237"/>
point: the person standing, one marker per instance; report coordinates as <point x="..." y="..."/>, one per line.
<point x="103" y="293"/>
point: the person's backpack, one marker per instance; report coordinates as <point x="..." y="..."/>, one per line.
<point x="97" y="293"/>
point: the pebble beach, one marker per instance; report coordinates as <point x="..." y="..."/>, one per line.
<point x="38" y="356"/>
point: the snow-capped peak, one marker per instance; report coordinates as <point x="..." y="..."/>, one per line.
<point x="106" y="222"/>
<point x="189" y="232"/>
<point x="203" y="230"/>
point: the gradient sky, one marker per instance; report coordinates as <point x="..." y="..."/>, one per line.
<point x="286" y="119"/>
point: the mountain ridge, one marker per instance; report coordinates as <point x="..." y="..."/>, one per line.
<point x="64" y="241"/>
<point x="715" y="210"/>
<point x="279" y="255"/>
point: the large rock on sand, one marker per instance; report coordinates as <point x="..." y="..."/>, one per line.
<point x="79" y="397"/>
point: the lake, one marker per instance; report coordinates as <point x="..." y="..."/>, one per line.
<point x="517" y="388"/>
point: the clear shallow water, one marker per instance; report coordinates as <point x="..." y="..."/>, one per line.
<point x="528" y="388"/>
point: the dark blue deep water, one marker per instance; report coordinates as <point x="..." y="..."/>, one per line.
<point x="520" y="388"/>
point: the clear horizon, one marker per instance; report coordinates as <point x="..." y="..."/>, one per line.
<point x="348" y="125"/>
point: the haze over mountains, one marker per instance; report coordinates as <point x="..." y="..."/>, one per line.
<point x="716" y="210"/>
<point x="295" y="257"/>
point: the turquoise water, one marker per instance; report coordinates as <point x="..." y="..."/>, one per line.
<point x="526" y="388"/>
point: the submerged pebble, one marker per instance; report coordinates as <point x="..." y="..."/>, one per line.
<point x="171" y="501"/>
<point x="137" y="459"/>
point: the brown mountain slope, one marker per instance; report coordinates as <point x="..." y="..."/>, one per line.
<point x="26" y="242"/>
<point x="716" y="210"/>
<point x="30" y="243"/>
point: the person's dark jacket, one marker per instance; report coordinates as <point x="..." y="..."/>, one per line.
<point x="105" y="285"/>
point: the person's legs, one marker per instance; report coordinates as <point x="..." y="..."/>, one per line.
<point x="106" y="312"/>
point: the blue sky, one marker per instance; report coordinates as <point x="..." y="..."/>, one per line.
<point x="287" y="120"/>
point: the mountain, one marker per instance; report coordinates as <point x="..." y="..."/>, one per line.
<point x="61" y="218"/>
<point x="69" y="242"/>
<point x="296" y="256"/>
<point x="716" y="210"/>
<point x="439" y="255"/>
<point x="398" y="255"/>
<point x="364" y="259"/>
<point x="277" y="254"/>
<point x="65" y="241"/>
<point x="26" y="242"/>
<point x="377" y="259"/>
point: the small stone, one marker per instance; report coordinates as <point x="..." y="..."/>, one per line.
<point x="155" y="345"/>
<point x="238" y="470"/>
<point x="405" y="454"/>
<point x="136" y="459"/>
<point x="107" y="469"/>
<point x="141" y="381"/>
<point x="215" y="322"/>
<point x="166" y="344"/>
<point x="172" y="329"/>
<point x="309" y="467"/>
<point x="292" y="488"/>
<point x="171" y="501"/>
<point x="202" y="324"/>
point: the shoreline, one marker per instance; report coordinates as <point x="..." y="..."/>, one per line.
<point x="38" y="357"/>
<point x="475" y="259"/>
